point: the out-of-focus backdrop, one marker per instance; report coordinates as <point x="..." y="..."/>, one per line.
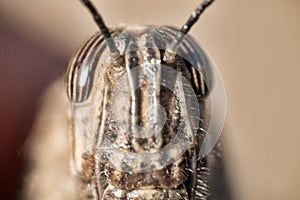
<point x="256" y="45"/>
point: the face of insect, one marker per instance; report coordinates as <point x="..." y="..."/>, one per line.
<point x="136" y="115"/>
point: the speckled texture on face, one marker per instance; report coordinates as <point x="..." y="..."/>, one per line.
<point x="130" y="110"/>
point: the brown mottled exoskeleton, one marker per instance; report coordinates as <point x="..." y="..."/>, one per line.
<point x="137" y="115"/>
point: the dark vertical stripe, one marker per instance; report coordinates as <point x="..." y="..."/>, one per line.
<point x="92" y="56"/>
<point x="88" y="53"/>
<point x="200" y="74"/>
<point x="75" y="65"/>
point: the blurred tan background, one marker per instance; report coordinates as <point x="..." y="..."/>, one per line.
<point x="256" y="45"/>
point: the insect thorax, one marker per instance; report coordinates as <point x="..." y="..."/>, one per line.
<point x="137" y="119"/>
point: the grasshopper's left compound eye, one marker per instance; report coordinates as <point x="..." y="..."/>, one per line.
<point x="85" y="86"/>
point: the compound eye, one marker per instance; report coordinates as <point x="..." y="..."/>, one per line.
<point x="195" y="64"/>
<point x="84" y="80"/>
<point x="199" y="82"/>
<point x="200" y="69"/>
<point x="79" y="82"/>
<point x="83" y="69"/>
<point x="190" y="58"/>
<point x="195" y="75"/>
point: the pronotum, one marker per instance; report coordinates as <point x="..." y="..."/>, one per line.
<point x="138" y="113"/>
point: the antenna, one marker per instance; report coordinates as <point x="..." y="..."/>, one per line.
<point x="103" y="28"/>
<point x="171" y="51"/>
